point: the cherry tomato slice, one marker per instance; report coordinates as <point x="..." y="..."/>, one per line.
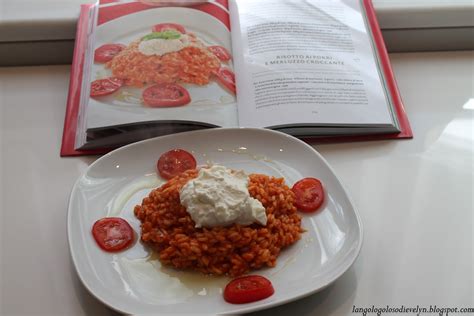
<point x="174" y="162"/>
<point x="106" y="52"/>
<point x="309" y="194"/>
<point x="166" y="95"/>
<point x="169" y="26"/>
<point x="248" y="289"/>
<point x="220" y="52"/>
<point x="112" y="233"/>
<point x="227" y="78"/>
<point x="105" y="86"/>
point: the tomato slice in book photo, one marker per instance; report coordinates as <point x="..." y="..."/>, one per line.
<point x="168" y="26"/>
<point x="226" y="77"/>
<point x="166" y="95"/>
<point x="221" y="52"/>
<point x="174" y="162"/>
<point x="105" y="86"/>
<point x="106" y="52"/>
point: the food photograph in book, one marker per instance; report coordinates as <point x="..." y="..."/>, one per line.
<point x="161" y="63"/>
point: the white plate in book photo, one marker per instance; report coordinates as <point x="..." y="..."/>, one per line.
<point x="209" y="103"/>
<point x="134" y="282"/>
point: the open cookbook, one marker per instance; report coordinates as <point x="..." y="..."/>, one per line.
<point x="315" y="69"/>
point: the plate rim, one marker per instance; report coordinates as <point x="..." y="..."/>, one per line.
<point x="345" y="267"/>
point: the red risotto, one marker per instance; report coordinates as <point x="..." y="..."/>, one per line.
<point x="190" y="65"/>
<point x="233" y="250"/>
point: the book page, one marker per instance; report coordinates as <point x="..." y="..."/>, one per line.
<point x="164" y="65"/>
<point x="306" y="62"/>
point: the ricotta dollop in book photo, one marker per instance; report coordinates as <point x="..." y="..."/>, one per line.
<point x="317" y="70"/>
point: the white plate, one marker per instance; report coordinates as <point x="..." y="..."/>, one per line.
<point x="211" y="103"/>
<point x="125" y="282"/>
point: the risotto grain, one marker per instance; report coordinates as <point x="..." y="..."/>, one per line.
<point x="192" y="64"/>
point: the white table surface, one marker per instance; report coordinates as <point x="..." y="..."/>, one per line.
<point x="415" y="198"/>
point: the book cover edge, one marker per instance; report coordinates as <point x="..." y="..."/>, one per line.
<point x="406" y="131"/>
<point x="72" y="103"/>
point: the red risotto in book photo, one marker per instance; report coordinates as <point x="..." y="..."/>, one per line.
<point x="160" y="62"/>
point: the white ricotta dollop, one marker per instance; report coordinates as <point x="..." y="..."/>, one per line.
<point x="159" y="46"/>
<point x="220" y="197"/>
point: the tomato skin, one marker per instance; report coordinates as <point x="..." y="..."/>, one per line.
<point x="221" y="52"/>
<point x="166" y="95"/>
<point x="309" y="194"/>
<point x="105" y="86"/>
<point x="227" y="78"/>
<point x="248" y="289"/>
<point x="174" y="162"/>
<point x="113" y="234"/>
<point x="106" y="52"/>
<point x="168" y="26"/>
